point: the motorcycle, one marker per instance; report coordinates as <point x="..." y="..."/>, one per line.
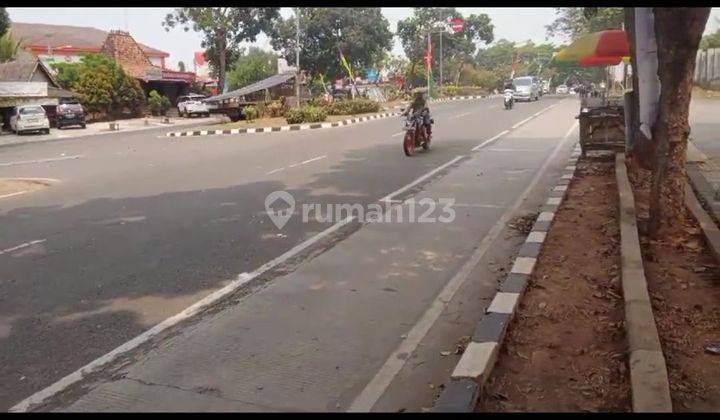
<point x="509" y="100"/>
<point x="416" y="134"/>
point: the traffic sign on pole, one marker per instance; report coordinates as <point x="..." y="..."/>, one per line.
<point x="457" y="24"/>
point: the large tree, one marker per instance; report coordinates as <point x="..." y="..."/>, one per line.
<point x="458" y="48"/>
<point x="678" y="31"/>
<point x="572" y="22"/>
<point x="362" y="33"/>
<point x="4" y="21"/>
<point x="251" y="67"/>
<point x="223" y="28"/>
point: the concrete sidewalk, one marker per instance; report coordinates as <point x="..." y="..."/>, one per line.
<point x="101" y="128"/>
<point x="314" y="338"/>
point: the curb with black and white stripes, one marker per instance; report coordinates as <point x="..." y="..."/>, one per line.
<point x="474" y="368"/>
<point x="451" y="99"/>
<point x="298" y="127"/>
<point x="293" y="127"/>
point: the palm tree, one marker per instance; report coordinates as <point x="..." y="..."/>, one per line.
<point x="8" y="47"/>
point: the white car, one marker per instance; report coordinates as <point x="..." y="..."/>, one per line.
<point x="189" y="105"/>
<point x="526" y="89"/>
<point x="562" y="89"/>
<point x="27" y="118"/>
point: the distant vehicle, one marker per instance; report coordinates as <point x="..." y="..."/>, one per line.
<point x="28" y="118"/>
<point x="192" y="104"/>
<point x="562" y="90"/>
<point x="526" y="89"/>
<point x="70" y="113"/>
<point x="508" y="98"/>
<point x="545" y="86"/>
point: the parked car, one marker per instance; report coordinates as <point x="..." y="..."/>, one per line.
<point x="26" y="118"/>
<point x="70" y="113"/>
<point x="562" y="90"/>
<point x="192" y="104"/>
<point x="526" y="89"/>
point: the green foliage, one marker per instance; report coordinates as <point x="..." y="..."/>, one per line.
<point x="67" y="74"/>
<point x="573" y="22"/>
<point x="362" y="33"/>
<point x="306" y="114"/>
<point x="8" y="47"/>
<point x="353" y="106"/>
<point x="104" y="87"/>
<point x="276" y="108"/>
<point x="251" y="67"/>
<point x="710" y="41"/>
<point x="251" y="113"/>
<point x="159" y="104"/>
<point x="4" y="21"/>
<point x="223" y="29"/>
<point x="458" y="48"/>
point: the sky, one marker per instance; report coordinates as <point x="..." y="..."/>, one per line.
<point x="517" y="24"/>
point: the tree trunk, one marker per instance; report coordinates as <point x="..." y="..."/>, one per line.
<point x="222" y="57"/>
<point x="677" y="32"/>
<point x="460" y="69"/>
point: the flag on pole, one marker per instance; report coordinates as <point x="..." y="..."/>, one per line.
<point x="346" y="64"/>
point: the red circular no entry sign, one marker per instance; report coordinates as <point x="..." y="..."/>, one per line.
<point x="457" y="24"/>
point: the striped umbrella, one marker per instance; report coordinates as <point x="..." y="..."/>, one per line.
<point x="602" y="48"/>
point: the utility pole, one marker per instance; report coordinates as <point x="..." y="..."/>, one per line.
<point x="441" y="60"/>
<point x="429" y="62"/>
<point x="297" y="55"/>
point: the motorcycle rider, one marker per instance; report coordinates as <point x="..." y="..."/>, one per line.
<point x="419" y="105"/>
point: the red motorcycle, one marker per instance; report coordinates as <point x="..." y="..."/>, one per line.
<point x="416" y="134"/>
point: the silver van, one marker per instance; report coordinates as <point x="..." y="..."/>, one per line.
<point x="526" y="88"/>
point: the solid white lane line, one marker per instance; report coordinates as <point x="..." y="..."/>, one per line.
<point x="307" y="161"/>
<point x="313" y="159"/>
<point x="516" y="125"/>
<point x="198" y="306"/>
<point x="274" y="170"/>
<point x="26" y="162"/>
<point x="369" y="396"/>
<point x="387" y="198"/>
<point x="490" y="140"/>
<point x="14" y="194"/>
<point x="398" y="134"/>
<point x="21" y="246"/>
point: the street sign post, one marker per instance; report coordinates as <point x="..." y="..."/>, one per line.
<point x="457" y="24"/>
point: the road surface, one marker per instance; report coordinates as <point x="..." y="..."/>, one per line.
<point x="136" y="228"/>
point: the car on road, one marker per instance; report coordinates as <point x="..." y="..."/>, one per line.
<point x="70" y="113"/>
<point x="192" y="104"/>
<point x="562" y="89"/>
<point x="27" y="118"/>
<point x="526" y="89"/>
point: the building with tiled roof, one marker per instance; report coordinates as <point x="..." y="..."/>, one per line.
<point x="68" y="43"/>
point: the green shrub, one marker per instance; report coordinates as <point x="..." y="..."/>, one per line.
<point x="354" y="106"/>
<point x="306" y="114"/>
<point x="450" y="90"/>
<point x="276" y="109"/>
<point x="159" y="104"/>
<point x="251" y="113"/>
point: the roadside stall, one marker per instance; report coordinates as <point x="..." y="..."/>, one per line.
<point x="602" y="116"/>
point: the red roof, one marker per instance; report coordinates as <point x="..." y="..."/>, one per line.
<point x="80" y="38"/>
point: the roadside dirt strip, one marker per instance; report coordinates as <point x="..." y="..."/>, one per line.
<point x="478" y="360"/>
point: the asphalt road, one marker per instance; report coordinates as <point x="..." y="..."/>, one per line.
<point x="137" y="227"/>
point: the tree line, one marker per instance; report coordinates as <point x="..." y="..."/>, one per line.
<point x="365" y="38"/>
